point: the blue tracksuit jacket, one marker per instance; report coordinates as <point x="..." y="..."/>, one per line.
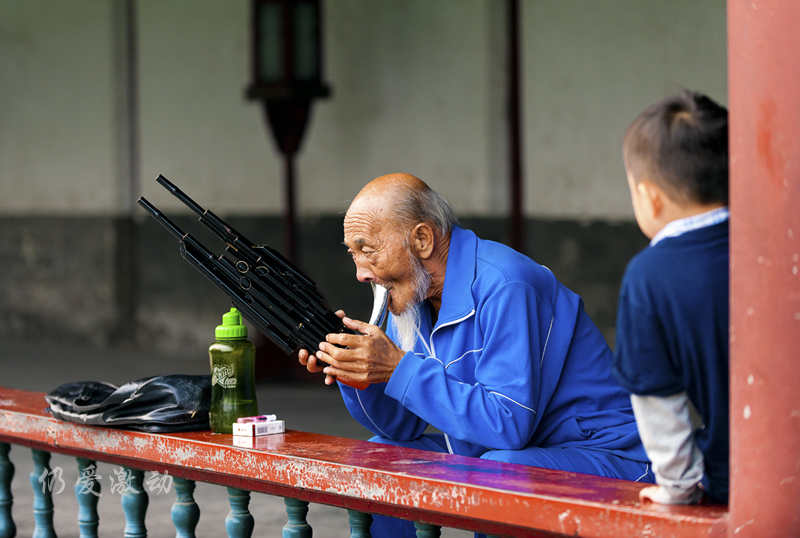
<point x="513" y="361"/>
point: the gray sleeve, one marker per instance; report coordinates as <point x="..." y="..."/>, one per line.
<point x="666" y="427"/>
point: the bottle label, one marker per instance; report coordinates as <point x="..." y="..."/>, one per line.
<point x="222" y="375"/>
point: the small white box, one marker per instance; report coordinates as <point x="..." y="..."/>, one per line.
<point x="255" y="429"/>
<point x="262" y="442"/>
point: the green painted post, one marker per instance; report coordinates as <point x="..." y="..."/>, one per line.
<point x="360" y="524"/>
<point x="87" y="493"/>
<point x="134" y="504"/>
<point x="44" y="480"/>
<point x="7" y="527"/>
<point x="424" y="530"/>
<point x="185" y="512"/>
<point x="297" y="527"/>
<point x="239" y="522"/>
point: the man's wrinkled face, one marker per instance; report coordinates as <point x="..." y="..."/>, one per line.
<point x="382" y="257"/>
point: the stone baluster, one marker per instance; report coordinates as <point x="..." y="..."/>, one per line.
<point x="134" y="504"/>
<point x="239" y="522"/>
<point x="7" y="527"/>
<point x="297" y="527"/>
<point x="185" y="512"/>
<point x="87" y="493"/>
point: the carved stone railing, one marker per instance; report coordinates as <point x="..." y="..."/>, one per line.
<point x="434" y="490"/>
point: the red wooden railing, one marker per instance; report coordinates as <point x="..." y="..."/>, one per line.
<point x="436" y="489"/>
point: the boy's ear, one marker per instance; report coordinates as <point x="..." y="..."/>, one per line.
<point x="652" y="195"/>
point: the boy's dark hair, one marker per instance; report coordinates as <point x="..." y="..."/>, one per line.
<point x="681" y="144"/>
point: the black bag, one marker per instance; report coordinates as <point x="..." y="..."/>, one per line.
<point x="167" y="403"/>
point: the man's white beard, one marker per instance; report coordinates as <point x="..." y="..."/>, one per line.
<point x="407" y="322"/>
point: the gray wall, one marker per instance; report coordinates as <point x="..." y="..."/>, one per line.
<point x="418" y="86"/>
<point x="103" y="280"/>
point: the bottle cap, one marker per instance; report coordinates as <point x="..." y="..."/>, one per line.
<point x="231" y="328"/>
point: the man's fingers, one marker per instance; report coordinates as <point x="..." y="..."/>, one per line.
<point x="325" y="360"/>
<point x="356" y="325"/>
<point x="343" y="340"/>
<point x="305" y="358"/>
<point x="336" y="373"/>
<point x="302" y="356"/>
<point x="353" y="340"/>
<point x="312" y="363"/>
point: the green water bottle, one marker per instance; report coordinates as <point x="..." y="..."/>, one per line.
<point x="233" y="390"/>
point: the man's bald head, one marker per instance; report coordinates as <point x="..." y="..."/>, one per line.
<point x="402" y="201"/>
<point x="391" y="184"/>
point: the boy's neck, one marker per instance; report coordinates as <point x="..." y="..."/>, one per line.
<point x="672" y="212"/>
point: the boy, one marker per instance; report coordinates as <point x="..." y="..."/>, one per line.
<point x="672" y="319"/>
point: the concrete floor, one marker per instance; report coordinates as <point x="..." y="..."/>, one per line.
<point x="307" y="406"/>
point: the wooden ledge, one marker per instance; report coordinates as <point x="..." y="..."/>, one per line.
<point x="452" y="491"/>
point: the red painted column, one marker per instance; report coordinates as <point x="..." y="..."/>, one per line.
<point x="764" y="104"/>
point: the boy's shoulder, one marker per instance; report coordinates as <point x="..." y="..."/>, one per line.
<point x="699" y="255"/>
<point x="709" y="242"/>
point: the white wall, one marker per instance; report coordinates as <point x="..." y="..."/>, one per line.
<point x="590" y="68"/>
<point x="56" y="107"/>
<point x="197" y="128"/>
<point x="411" y="94"/>
<point x="417" y="87"/>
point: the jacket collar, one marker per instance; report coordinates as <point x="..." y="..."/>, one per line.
<point x="457" y="300"/>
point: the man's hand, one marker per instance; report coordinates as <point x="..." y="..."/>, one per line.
<point x="309" y="360"/>
<point x="369" y="357"/>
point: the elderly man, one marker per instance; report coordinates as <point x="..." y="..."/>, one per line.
<point x="483" y="343"/>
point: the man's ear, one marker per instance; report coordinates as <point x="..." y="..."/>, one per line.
<point x="423" y="239"/>
<point x="653" y="197"/>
